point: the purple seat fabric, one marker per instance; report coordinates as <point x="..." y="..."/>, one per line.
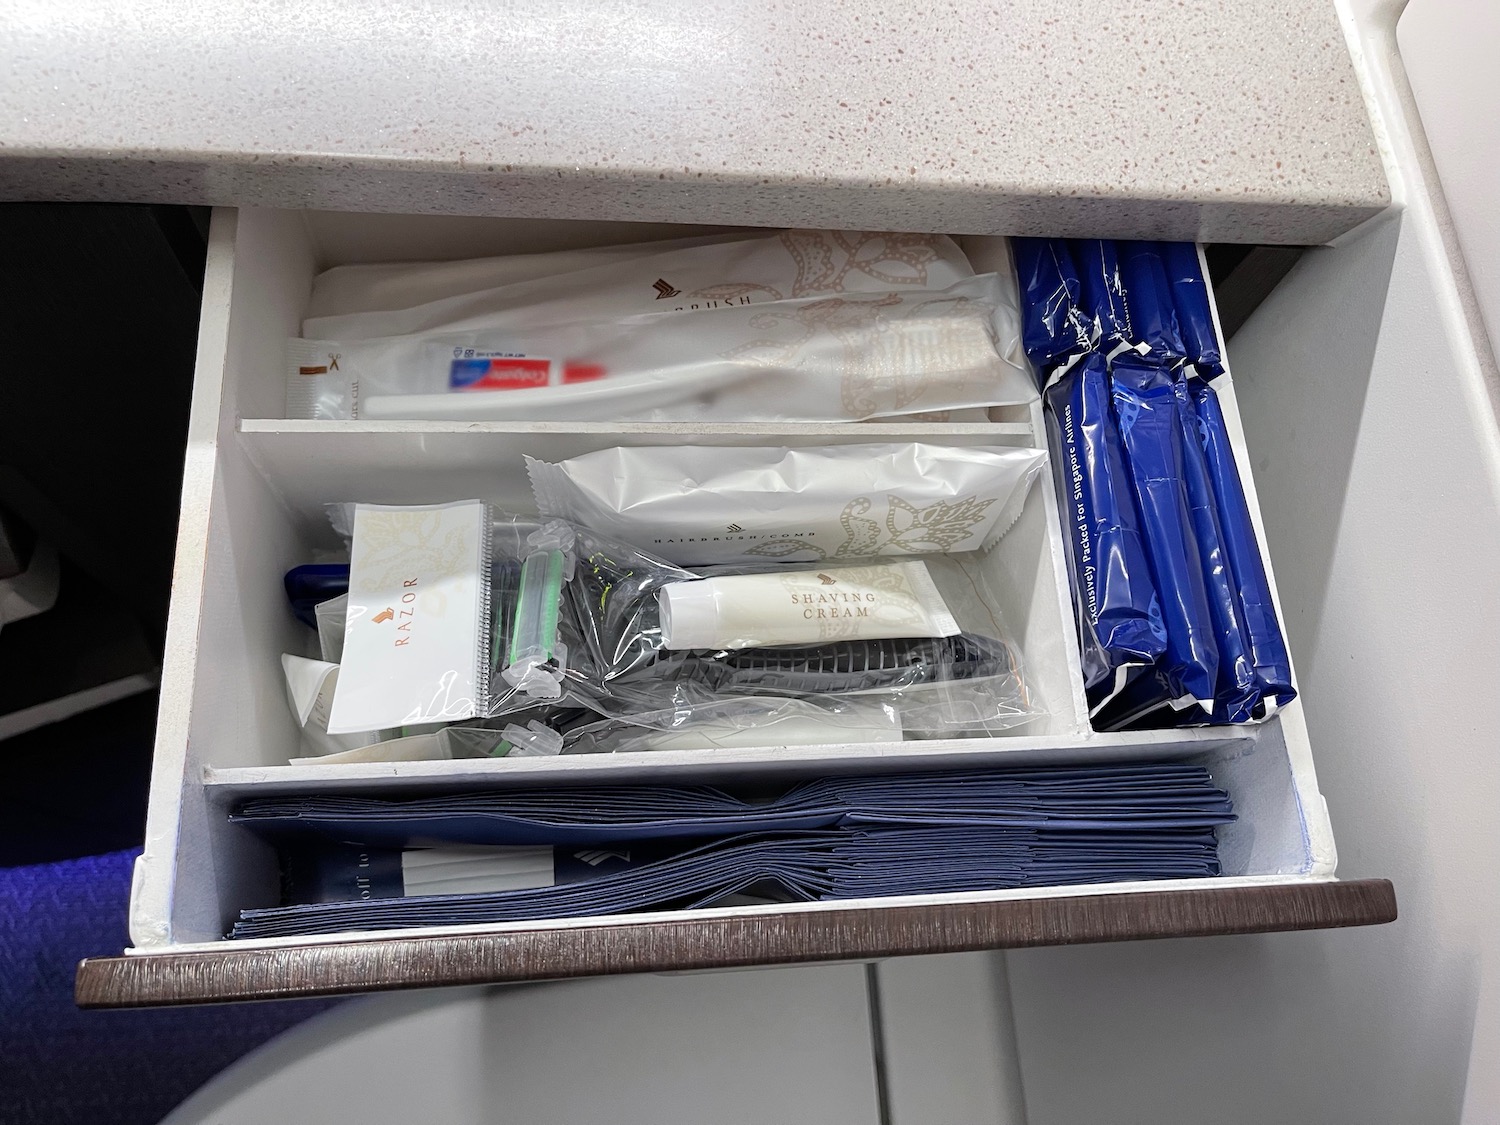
<point x="60" y="1065"/>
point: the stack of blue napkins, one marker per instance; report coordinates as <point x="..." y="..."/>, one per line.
<point x="539" y="816"/>
<point x="357" y="863"/>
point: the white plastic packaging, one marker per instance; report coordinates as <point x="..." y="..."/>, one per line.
<point x="366" y="287"/>
<point x="416" y="638"/>
<point x="848" y="358"/>
<point x="705" y="506"/>
<point x="559" y="322"/>
<point x="793" y="607"/>
<point x="429" y="746"/>
<point x="310" y="688"/>
<point x="681" y="275"/>
<point x="476" y="870"/>
<point x="741" y="723"/>
<point x="331" y="616"/>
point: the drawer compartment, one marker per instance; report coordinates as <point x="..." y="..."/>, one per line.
<point x="253" y="506"/>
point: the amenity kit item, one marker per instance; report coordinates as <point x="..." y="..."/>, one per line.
<point x="601" y="283"/>
<point x="457" y="613"/>
<point x="1151" y="432"/>
<point x="357" y="863"/>
<point x="798" y="606"/>
<point x="791" y="325"/>
<point x="1268" y="654"/>
<point x="1115" y="598"/>
<point x="1176" y="619"/>
<point x="310" y="687"/>
<point x="1054" y="328"/>
<point x="534" y="653"/>
<point x="697" y="505"/>
<point x="1195" y="318"/>
<point x="309" y="586"/>
<point x="741" y="723"/>
<point x="416" y="635"/>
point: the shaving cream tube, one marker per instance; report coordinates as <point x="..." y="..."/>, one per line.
<point x="791" y="607"/>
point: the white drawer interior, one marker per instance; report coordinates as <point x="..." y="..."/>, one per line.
<point x="254" y="494"/>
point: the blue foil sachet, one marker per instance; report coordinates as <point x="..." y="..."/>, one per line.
<point x="1237" y="693"/>
<point x="1268" y="653"/>
<point x="1148" y="297"/>
<point x="1151" y="433"/>
<point x="1195" y="320"/>
<point x="1119" y="613"/>
<point x="1102" y="290"/>
<point x="1053" y="328"/>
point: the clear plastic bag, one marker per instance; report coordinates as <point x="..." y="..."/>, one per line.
<point x="483" y="739"/>
<point x="943" y="686"/>
<point x="533" y="658"/>
<point x="740" y="723"/>
<point x="612" y="661"/>
<point x="331" y="616"/>
<point x="825" y="358"/>
<point x="544" y="315"/>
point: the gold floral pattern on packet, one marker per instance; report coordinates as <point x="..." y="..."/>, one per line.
<point x="400" y="541"/>
<point x="825" y="258"/>
<point x="935" y="528"/>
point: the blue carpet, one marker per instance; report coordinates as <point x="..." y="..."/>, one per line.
<point x="59" y="1065"/>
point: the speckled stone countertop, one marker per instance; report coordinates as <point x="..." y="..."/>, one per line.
<point x="1234" y="120"/>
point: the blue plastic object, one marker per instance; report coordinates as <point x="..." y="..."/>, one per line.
<point x="1053" y="326"/>
<point x="307" y="586"/>
<point x="1151" y="432"/>
<point x="1236" y="694"/>
<point x="1148" y="298"/>
<point x="1103" y="290"/>
<point x="1195" y="319"/>
<point x="1120" y="619"/>
<point x="1268" y="651"/>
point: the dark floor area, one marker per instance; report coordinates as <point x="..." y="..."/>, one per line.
<point x="78" y="787"/>
<point x="59" y="1065"/>
<point x="98" y="328"/>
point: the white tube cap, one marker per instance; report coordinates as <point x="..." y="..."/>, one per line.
<point x="689" y="615"/>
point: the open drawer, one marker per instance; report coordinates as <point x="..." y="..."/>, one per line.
<point x="253" y="501"/>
